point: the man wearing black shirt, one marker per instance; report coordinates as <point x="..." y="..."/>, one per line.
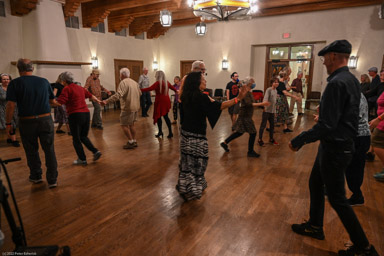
<point x="232" y="90"/>
<point x="336" y="128"/>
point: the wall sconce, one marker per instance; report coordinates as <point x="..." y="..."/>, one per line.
<point x="165" y="18"/>
<point x="352" y="62"/>
<point x="155" y="65"/>
<point x="201" y="29"/>
<point x="95" y="62"/>
<point x="224" y="64"/>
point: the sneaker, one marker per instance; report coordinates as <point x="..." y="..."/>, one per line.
<point x="261" y="142"/>
<point x="355" y="201"/>
<point x="353" y="251"/>
<point x="9" y="141"/>
<point x="306" y="229"/>
<point x="96" y="156"/>
<point x="379" y="176"/>
<point x="52" y="185"/>
<point x="370" y="157"/>
<point x="80" y="162"/>
<point x="60" y="131"/>
<point x="287" y="130"/>
<point x="273" y="142"/>
<point x="135" y="144"/>
<point x="224" y="146"/>
<point x="36" y="181"/>
<point x="253" y="154"/>
<point x="129" y="146"/>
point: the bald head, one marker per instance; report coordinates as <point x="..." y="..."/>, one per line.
<point x="24" y="65"/>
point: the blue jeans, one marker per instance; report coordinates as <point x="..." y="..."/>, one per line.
<point x="145" y="103"/>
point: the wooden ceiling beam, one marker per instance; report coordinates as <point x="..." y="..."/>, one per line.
<point x="320" y="6"/>
<point x="264" y="4"/>
<point x="149" y="9"/>
<point x="71" y="7"/>
<point x="22" y="7"/>
<point x="114" y="5"/>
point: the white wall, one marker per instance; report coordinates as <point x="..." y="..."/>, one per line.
<point x="233" y="40"/>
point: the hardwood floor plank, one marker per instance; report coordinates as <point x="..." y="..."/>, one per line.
<point x="126" y="203"/>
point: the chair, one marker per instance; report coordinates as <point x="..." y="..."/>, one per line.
<point x="218" y="95"/>
<point x="258" y="95"/>
<point x="208" y="92"/>
<point x="312" y="97"/>
<point x="105" y="96"/>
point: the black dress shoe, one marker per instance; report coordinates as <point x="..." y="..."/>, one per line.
<point x="16" y="143"/>
<point x="9" y="141"/>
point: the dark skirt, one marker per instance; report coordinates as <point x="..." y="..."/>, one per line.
<point x="192" y="166"/>
<point x="61" y="115"/>
<point x="282" y="109"/>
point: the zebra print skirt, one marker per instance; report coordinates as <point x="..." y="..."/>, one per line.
<point x="192" y="166"/>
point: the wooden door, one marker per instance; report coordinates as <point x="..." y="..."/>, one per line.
<point x="185" y="67"/>
<point x="274" y="67"/>
<point x="135" y="66"/>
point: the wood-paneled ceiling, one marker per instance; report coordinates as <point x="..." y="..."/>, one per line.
<point x="143" y="15"/>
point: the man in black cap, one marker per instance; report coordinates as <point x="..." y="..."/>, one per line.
<point x="336" y="128"/>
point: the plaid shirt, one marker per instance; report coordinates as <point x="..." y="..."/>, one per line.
<point x="94" y="87"/>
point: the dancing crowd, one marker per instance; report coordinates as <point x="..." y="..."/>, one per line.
<point x="347" y="114"/>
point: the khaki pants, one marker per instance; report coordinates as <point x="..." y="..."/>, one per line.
<point x="299" y="103"/>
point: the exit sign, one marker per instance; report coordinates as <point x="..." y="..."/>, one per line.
<point x="286" y="35"/>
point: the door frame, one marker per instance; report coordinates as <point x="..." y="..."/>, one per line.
<point x="311" y="61"/>
<point x="117" y="70"/>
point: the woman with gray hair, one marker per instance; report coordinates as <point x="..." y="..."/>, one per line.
<point x="162" y="102"/>
<point x="244" y="122"/>
<point x="73" y="96"/>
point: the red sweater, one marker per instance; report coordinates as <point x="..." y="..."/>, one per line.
<point x="73" y="96"/>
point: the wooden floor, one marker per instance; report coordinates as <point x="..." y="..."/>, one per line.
<point x="126" y="203"/>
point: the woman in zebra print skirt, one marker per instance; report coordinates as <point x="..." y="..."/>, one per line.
<point x="197" y="108"/>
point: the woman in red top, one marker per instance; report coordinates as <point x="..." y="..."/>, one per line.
<point x="162" y="102"/>
<point x="73" y="96"/>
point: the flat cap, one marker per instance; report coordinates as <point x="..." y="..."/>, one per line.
<point x="339" y="46"/>
<point x="372" y="69"/>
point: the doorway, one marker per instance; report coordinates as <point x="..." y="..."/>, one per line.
<point x="185" y="67"/>
<point x="134" y="66"/>
<point x="299" y="57"/>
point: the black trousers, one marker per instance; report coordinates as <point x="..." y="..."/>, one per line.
<point x="270" y="117"/>
<point x="251" y="141"/>
<point x="31" y="131"/>
<point x="167" y="121"/>
<point x="328" y="169"/>
<point x="145" y="102"/>
<point x="355" y="170"/>
<point x="79" y="125"/>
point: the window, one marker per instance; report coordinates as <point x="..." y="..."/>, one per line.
<point x="2" y="9"/>
<point x="301" y="52"/>
<point x="123" y="32"/>
<point x="278" y="53"/>
<point x="140" y="36"/>
<point x="99" y="28"/>
<point x="72" y="22"/>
